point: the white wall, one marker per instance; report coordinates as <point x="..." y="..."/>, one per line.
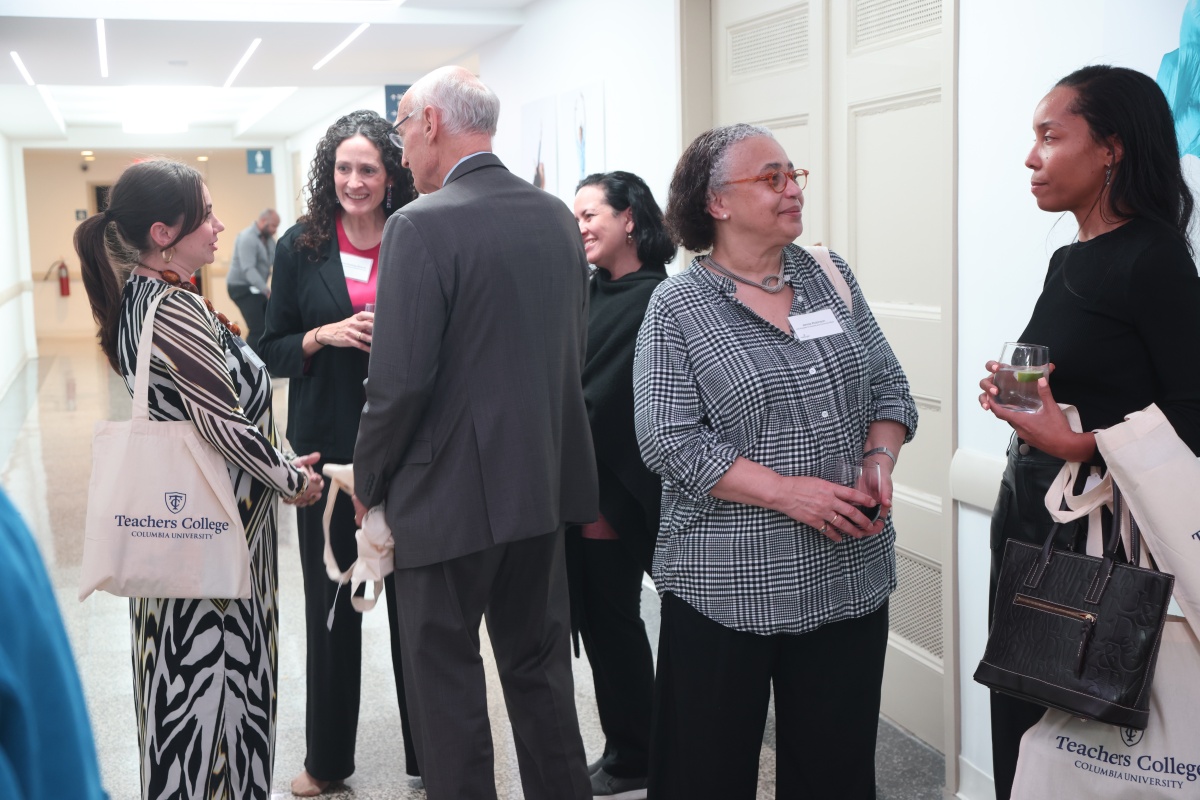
<point x="1010" y="56"/>
<point x="630" y="46"/>
<point x="16" y="305"/>
<point x="305" y="143"/>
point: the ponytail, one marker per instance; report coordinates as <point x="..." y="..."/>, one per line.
<point x="100" y="282"/>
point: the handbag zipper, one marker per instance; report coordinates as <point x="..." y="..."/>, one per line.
<point x="1086" y="617"/>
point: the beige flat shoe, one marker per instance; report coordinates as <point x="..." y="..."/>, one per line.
<point x="305" y="785"/>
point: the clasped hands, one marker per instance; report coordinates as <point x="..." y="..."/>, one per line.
<point x="354" y="331"/>
<point x="316" y="482"/>
<point x="830" y="507"/>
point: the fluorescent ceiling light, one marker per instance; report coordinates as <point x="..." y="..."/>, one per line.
<point x="202" y="158"/>
<point x="86" y="153"/>
<point x="102" y="45"/>
<point x="249" y="52"/>
<point x="28" y="79"/>
<point x="341" y="46"/>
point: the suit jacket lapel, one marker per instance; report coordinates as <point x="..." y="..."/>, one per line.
<point x="335" y="279"/>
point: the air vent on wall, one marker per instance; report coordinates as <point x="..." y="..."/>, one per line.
<point x="876" y="20"/>
<point x="765" y="44"/>
<point x="916" y="605"/>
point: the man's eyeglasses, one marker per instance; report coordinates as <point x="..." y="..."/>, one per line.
<point x="777" y="179"/>
<point x="394" y="133"/>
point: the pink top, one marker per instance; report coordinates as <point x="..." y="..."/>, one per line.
<point x="360" y="293"/>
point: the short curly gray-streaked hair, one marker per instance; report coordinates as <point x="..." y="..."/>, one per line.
<point x="703" y="167"/>
<point x="467" y="105"/>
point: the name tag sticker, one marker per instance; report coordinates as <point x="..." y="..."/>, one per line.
<point x="356" y="268"/>
<point x="815" y="325"/>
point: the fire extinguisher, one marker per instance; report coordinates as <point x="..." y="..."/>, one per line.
<point x="64" y="280"/>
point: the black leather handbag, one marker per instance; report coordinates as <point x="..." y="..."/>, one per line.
<point x="1077" y="632"/>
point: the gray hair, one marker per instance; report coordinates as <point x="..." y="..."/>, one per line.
<point x="722" y="140"/>
<point x="467" y="105"/>
<point x="267" y="213"/>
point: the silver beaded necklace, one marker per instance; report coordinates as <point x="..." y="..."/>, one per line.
<point x="772" y="284"/>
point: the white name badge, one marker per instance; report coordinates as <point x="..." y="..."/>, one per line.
<point x="815" y="325"/>
<point x="357" y="268"/>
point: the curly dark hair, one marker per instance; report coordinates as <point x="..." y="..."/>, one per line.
<point x="701" y="169"/>
<point x="322" y="197"/>
<point x="624" y="190"/>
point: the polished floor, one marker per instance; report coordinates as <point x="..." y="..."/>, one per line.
<point x="46" y="421"/>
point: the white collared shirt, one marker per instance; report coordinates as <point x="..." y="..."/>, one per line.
<point x="460" y="161"/>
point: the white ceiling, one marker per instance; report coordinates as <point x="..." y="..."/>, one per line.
<point x="168" y="59"/>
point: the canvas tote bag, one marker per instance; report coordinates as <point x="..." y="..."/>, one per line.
<point x="1063" y="756"/>
<point x="1160" y="478"/>
<point x="161" y="516"/>
<point x="376" y="549"/>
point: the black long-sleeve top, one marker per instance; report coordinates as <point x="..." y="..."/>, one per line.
<point x="1121" y="316"/>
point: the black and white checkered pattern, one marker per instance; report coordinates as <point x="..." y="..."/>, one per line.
<point x="713" y="381"/>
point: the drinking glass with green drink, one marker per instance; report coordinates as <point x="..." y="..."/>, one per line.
<point x="1021" y="365"/>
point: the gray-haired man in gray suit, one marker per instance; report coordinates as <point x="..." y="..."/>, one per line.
<point x="476" y="438"/>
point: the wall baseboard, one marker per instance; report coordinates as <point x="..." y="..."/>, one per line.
<point x="973" y="784"/>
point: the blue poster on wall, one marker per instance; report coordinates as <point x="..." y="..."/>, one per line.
<point x="258" y="162"/>
<point x="392" y="94"/>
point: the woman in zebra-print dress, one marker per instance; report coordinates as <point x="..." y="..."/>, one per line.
<point x="204" y="670"/>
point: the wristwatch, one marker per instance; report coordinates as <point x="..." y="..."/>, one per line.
<point x="874" y="451"/>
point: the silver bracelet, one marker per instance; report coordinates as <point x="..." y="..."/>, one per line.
<point x="877" y="450"/>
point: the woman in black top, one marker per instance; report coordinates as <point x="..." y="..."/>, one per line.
<point x="623" y="236"/>
<point x="318" y="334"/>
<point x="1118" y="309"/>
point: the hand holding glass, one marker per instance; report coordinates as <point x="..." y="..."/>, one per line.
<point x="1021" y="365"/>
<point x="869" y="481"/>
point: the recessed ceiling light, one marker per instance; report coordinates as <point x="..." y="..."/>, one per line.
<point x="86" y="153"/>
<point x="202" y="158"/>
<point x="21" y="66"/>
<point x="102" y="45"/>
<point x="89" y="158"/>
<point x="341" y="46"/>
<point x="249" y="52"/>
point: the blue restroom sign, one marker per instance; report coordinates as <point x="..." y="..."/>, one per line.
<point x="258" y="162"/>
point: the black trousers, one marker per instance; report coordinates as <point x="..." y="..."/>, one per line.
<point x="1020" y="514"/>
<point x="711" y="696"/>
<point x="608" y="593"/>
<point x="334" y="662"/>
<point x="522" y="588"/>
<point x="253" y="308"/>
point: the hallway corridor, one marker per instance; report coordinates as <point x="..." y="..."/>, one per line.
<point x="46" y="421"/>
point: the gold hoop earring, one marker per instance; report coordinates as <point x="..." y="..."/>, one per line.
<point x="168" y="254"/>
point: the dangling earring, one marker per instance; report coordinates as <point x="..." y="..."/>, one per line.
<point x="1107" y="174"/>
<point x="168" y="254"/>
<point x="389" y="196"/>
<point x="629" y="237"/>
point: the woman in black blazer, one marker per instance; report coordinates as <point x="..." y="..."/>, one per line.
<point x="318" y="334"/>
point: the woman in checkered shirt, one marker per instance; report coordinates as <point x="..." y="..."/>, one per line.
<point x="754" y="381"/>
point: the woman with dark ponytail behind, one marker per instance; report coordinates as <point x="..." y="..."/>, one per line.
<point x="205" y="671"/>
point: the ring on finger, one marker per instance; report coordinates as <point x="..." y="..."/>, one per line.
<point x="823" y="528"/>
<point x="835" y="518"/>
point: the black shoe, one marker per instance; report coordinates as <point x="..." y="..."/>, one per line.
<point x="595" y="766"/>
<point x="610" y="787"/>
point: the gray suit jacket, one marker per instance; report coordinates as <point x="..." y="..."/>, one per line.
<point x="475" y="431"/>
